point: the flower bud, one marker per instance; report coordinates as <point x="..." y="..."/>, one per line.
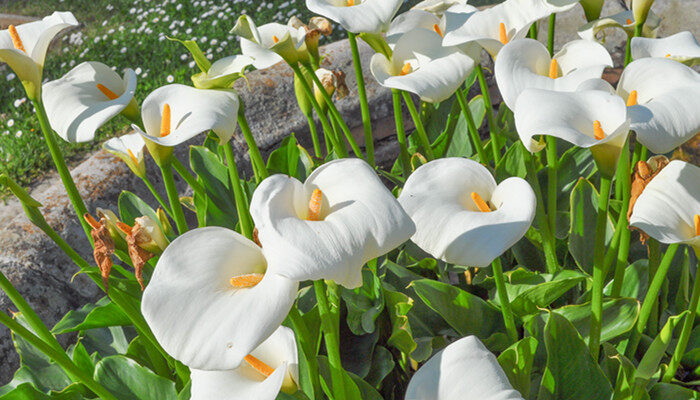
<point x="149" y="235"/>
<point x="110" y="219"/>
<point x="640" y="9"/>
<point x="321" y="24"/>
<point x="165" y="222"/>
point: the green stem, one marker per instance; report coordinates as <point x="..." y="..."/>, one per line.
<point x="309" y="348"/>
<point x="364" y="106"/>
<point x="60" y="357"/>
<point x="314" y="135"/>
<point x="61" y="167"/>
<point x="420" y="129"/>
<point x="173" y="198"/>
<point x="550" y="33"/>
<point x="471" y="127"/>
<point x="654" y="260"/>
<point x="256" y="159"/>
<point x="621" y="228"/>
<point x="157" y="195"/>
<point x="552" y="189"/>
<point x="685" y="333"/>
<point x="493" y="128"/>
<point x="336" y="131"/>
<point x="241" y="203"/>
<point x="598" y="267"/>
<point x="188" y="177"/>
<point x="503" y="298"/>
<point x="330" y="335"/>
<point x="651" y="297"/>
<point x="401" y="132"/>
<point x="532" y="33"/>
<point x="548" y="240"/>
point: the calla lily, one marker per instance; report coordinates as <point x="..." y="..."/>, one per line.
<point x="437" y="7"/>
<point x="668" y="209"/>
<point x="421" y="65"/>
<point x="329" y="226"/>
<point x="150" y="236"/>
<point x="624" y="20"/>
<point x="222" y="73"/>
<point x="175" y="113"/>
<point x="129" y="148"/>
<point x="270" y="43"/>
<point x="271" y="367"/>
<point x="500" y="24"/>
<point x="590" y="118"/>
<point x="462" y="216"/>
<point x="681" y="47"/>
<point x="526" y="63"/>
<point x="24" y="48"/>
<point x="665" y="108"/>
<point x="212" y="299"/>
<point x="357" y="16"/>
<point x="464" y="370"/>
<point x="88" y="96"/>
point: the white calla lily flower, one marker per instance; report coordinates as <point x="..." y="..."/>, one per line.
<point x="682" y="47"/>
<point x="665" y="108"/>
<point x="85" y="98"/>
<point x="129" y="148"/>
<point x="593" y="119"/>
<point x="421" y="65"/>
<point x="526" y="63"/>
<point x="173" y="114"/>
<point x="464" y="370"/>
<point x="212" y="299"/>
<point x="669" y="207"/>
<point x="437" y="7"/>
<point x="270" y="43"/>
<point x="222" y="73"/>
<point x="494" y="27"/>
<point x="329" y="226"/>
<point x="624" y="21"/>
<point x="24" y="47"/>
<point x="357" y="16"/>
<point x="462" y="216"/>
<point x="271" y="367"/>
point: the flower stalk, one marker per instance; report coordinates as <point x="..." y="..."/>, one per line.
<point x="471" y="127"/>
<point x="329" y="325"/>
<point x="503" y="298"/>
<point x="173" y="197"/>
<point x="259" y="168"/>
<point x="362" y="93"/>
<point x="400" y="132"/>
<point x="241" y="202"/>
<point x="548" y="243"/>
<point x="599" y="267"/>
<point x="493" y="128"/>
<point x="420" y="129"/>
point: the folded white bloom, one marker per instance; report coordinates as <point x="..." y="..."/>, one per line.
<point x="130" y="149"/>
<point x="498" y="25"/>
<point x="329" y="226"/>
<point x="464" y="370"/>
<point x="271" y="367"/>
<point x="357" y="16"/>
<point x="437" y="7"/>
<point x="270" y="43"/>
<point x="85" y="98"/>
<point x="592" y="118"/>
<point x="669" y="207"/>
<point x="666" y="112"/>
<point x="421" y="65"/>
<point x="24" y="47"/>
<point x="462" y="216"/>
<point x="681" y="47"/>
<point x="212" y="298"/>
<point x="222" y="73"/>
<point x="525" y="63"/>
<point x="623" y="20"/>
<point x="173" y="114"/>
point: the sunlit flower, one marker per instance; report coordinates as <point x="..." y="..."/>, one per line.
<point x="129" y="148"/>
<point x="222" y="73"/>
<point x="88" y="96"/>
<point x="464" y="370"/>
<point x="357" y="16"/>
<point x="437" y="7"/>
<point x="270" y="43"/>
<point x="624" y="20"/>
<point x="681" y="47"/>
<point x="526" y="63"/>
<point x="213" y="300"/>
<point x="271" y="367"/>
<point x="329" y="226"/>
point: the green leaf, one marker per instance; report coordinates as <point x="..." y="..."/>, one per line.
<point x="634" y="282"/>
<point x="584" y="212"/>
<point x="527" y="298"/>
<point x="667" y="391"/>
<point x="619" y="317"/>
<point x="108" y="341"/>
<point x="122" y="375"/>
<point x="131" y="207"/>
<point x="24" y="391"/>
<point x="364" y="304"/>
<point x="517" y="361"/>
<point x="398" y="306"/>
<point x="512" y="164"/>
<point x="570" y="373"/>
<point x="199" y="57"/>
<point x="102" y="314"/>
<point x="382" y="365"/>
<point x="465" y="312"/>
<point x="351" y="382"/>
<point x="650" y="362"/>
<point x="286" y="159"/>
<point x="461" y="145"/>
<point x="213" y="174"/>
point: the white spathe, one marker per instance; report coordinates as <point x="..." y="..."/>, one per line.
<point x="464" y="370"/>
<point x="435" y="71"/>
<point x="449" y="226"/>
<point x="197" y="315"/>
<point x="360" y="220"/>
<point x="668" y="205"/>
<point x="623" y="20"/>
<point x="370" y="16"/>
<point x="125" y="147"/>
<point x="76" y="107"/>
<point x="279" y="352"/>
<point x="192" y="111"/>
<point x="36" y="37"/>
<point x="270" y="43"/>
<point x="223" y="72"/>
<point x="682" y="47"/>
<point x="525" y="63"/>
<point x="667" y="113"/>
<point x="437" y="7"/>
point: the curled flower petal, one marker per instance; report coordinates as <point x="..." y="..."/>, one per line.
<point x="623" y="20"/>
<point x="370" y="16"/>
<point x="129" y="148"/>
<point x="681" y="47"/>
